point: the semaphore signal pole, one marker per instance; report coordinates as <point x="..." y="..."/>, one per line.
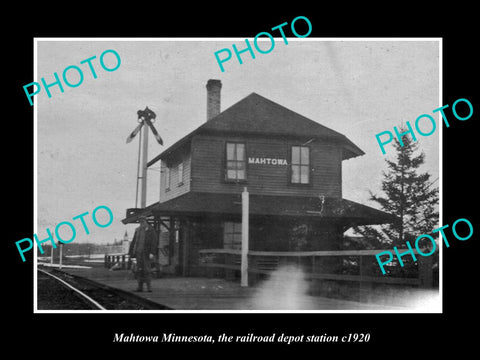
<point x="143" y="199"/>
<point x="144" y="116"/>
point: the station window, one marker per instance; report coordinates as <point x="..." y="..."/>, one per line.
<point x="235" y="161"/>
<point x="232" y="235"/>
<point x="180" y="173"/>
<point x="300" y="165"/>
<point x="167" y="178"/>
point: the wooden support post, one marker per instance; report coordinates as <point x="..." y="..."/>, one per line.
<point x="171" y="242"/>
<point x="252" y="265"/>
<point x="365" y="288"/>
<point x="245" y="229"/>
<point x="60" y="261"/>
<point x="313" y="282"/>
<point x="185" y="234"/>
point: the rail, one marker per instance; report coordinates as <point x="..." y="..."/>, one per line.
<point x="69" y="286"/>
<point x="109" y="298"/>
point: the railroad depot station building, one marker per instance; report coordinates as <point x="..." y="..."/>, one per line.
<point x="291" y="167"/>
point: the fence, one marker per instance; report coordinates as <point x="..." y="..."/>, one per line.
<point x="342" y="266"/>
<point x="122" y="261"/>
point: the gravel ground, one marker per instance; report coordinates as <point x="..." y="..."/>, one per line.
<point x="54" y="296"/>
<point x="51" y="295"/>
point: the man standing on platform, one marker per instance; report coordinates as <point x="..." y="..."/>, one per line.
<point x="143" y="248"/>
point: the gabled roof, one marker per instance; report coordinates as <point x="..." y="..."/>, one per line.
<point x="255" y="114"/>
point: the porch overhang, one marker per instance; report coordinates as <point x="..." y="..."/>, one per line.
<point x="313" y="208"/>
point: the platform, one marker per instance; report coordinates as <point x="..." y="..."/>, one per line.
<point x="197" y="293"/>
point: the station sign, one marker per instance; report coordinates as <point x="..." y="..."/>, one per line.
<point x="267" y="161"/>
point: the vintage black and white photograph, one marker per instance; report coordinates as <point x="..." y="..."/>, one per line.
<point x="178" y="187"/>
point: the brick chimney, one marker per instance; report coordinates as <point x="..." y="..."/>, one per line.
<point x="213" y="98"/>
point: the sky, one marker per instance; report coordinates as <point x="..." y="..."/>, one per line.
<point x="358" y="88"/>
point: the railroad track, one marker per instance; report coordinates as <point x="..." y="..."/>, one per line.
<point x="58" y="290"/>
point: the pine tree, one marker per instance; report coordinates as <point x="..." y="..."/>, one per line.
<point x="408" y="195"/>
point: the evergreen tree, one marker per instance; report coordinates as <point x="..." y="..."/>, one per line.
<point x="408" y="195"/>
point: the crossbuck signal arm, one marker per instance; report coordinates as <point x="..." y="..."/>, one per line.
<point x="145" y="116"/>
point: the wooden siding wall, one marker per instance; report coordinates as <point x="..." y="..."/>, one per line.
<point x="175" y="189"/>
<point x="208" y="165"/>
<point x="292" y="235"/>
